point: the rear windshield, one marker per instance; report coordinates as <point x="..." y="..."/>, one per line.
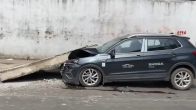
<point x="190" y="43"/>
<point x="185" y="41"/>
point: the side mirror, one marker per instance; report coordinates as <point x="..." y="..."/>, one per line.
<point x="112" y="54"/>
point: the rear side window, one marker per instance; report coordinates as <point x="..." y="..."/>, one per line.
<point x="162" y="44"/>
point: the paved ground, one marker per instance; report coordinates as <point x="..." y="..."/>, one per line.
<point x="43" y="91"/>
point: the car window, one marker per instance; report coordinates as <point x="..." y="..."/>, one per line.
<point x="161" y="44"/>
<point x="107" y="45"/>
<point x="133" y="45"/>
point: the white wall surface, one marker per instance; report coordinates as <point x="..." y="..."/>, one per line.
<point x="43" y="28"/>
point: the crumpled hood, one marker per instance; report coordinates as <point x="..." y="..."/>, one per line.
<point x="82" y="52"/>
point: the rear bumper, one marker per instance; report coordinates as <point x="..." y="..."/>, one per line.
<point x="70" y="73"/>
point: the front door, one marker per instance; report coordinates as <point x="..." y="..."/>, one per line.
<point x="128" y="61"/>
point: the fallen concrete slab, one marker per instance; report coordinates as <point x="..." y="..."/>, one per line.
<point x="10" y="63"/>
<point x="19" y="70"/>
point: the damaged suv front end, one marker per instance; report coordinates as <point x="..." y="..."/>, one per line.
<point x="85" y="56"/>
<point x="72" y="66"/>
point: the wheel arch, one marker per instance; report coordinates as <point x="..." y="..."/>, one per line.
<point x="183" y="65"/>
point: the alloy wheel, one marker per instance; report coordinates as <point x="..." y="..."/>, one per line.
<point x="90" y="76"/>
<point x="182" y="79"/>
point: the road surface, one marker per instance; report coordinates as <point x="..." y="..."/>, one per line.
<point x="41" y="92"/>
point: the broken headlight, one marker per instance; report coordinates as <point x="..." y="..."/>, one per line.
<point x="71" y="61"/>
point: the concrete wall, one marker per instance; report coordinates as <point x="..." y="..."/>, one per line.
<point x="43" y="28"/>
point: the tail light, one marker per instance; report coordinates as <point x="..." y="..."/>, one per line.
<point x="194" y="53"/>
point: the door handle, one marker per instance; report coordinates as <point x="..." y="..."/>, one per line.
<point x="138" y="55"/>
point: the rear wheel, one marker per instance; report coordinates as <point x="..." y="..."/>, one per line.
<point x="182" y="79"/>
<point x="90" y="77"/>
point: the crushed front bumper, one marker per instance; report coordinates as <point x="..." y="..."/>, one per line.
<point x="69" y="73"/>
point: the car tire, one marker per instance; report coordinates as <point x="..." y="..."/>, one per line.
<point x="90" y="76"/>
<point x="182" y="79"/>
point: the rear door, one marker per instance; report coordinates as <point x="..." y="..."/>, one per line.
<point x="158" y="56"/>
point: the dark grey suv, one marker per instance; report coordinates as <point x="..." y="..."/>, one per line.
<point x="140" y="57"/>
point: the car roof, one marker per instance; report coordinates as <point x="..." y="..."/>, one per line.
<point x="153" y="35"/>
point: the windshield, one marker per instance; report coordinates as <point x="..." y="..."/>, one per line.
<point x="107" y="45"/>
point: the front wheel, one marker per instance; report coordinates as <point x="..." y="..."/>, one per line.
<point x="182" y="79"/>
<point x="90" y="77"/>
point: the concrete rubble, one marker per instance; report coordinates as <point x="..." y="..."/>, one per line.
<point x="11" y="69"/>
